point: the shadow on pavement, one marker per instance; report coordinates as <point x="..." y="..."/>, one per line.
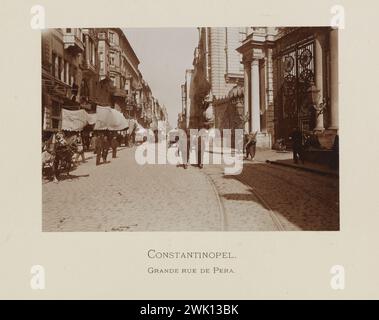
<point x="307" y="200"/>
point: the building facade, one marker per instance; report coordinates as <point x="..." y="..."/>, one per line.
<point x="217" y="77"/>
<point x="291" y="80"/>
<point x="86" y="67"/>
<point x="186" y="99"/>
<point x="267" y="80"/>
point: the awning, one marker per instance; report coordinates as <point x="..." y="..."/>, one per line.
<point x="74" y="120"/>
<point x="91" y="118"/>
<point x="110" y="119"/>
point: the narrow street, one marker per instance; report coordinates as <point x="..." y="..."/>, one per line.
<point x="124" y="196"/>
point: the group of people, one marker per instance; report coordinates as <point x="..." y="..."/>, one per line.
<point x="102" y="144"/>
<point x="184" y="148"/>
<point x="60" y="151"/>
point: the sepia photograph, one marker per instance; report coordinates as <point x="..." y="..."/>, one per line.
<point x="190" y="129"/>
<point x="189" y="156"/>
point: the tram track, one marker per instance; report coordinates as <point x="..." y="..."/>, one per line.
<point x="220" y="202"/>
<point x="223" y="214"/>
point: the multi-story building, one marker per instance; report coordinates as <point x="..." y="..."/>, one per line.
<point x="83" y="68"/>
<point x="217" y="70"/>
<point x="146" y="103"/>
<point x="186" y="98"/>
<point x="119" y="64"/>
<point x="62" y="51"/>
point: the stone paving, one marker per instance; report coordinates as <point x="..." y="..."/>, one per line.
<point x="124" y="196"/>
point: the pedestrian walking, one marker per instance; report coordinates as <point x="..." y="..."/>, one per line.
<point x="98" y="148"/>
<point x="93" y="143"/>
<point x="183" y="142"/>
<point x="201" y="137"/>
<point x="86" y="138"/>
<point x="297" y="145"/>
<point x="80" y="149"/>
<point x="126" y="139"/>
<point x="132" y="137"/>
<point x="105" y="150"/>
<point x="251" y="145"/>
<point x="114" y="145"/>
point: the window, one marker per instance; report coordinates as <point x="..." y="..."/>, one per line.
<point x="112" y="58"/>
<point x="73" y="75"/>
<point x="66" y="75"/>
<point x="55" y="109"/>
<point x="68" y="30"/>
<point x="53" y="64"/>
<point x="93" y="53"/>
<point x="113" y="38"/>
<point x="55" y="123"/>
<point x="60" y="66"/>
<point x="113" y="79"/>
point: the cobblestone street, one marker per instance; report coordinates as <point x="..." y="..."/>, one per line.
<point x="124" y="196"/>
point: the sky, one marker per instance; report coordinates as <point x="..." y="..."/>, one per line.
<point x="164" y="54"/>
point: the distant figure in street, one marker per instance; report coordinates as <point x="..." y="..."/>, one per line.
<point x="201" y="137"/>
<point x="183" y="147"/>
<point x="251" y="145"/>
<point x="132" y="137"/>
<point x="119" y="139"/>
<point x="106" y="146"/>
<point x="126" y="139"/>
<point x="80" y="148"/>
<point x="93" y="143"/>
<point x="86" y="138"/>
<point x="297" y="145"/>
<point x="98" y="148"/>
<point x="114" y="145"/>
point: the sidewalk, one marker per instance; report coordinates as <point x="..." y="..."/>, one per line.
<point x="284" y="158"/>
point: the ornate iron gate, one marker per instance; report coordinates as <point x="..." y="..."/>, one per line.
<point x="296" y="73"/>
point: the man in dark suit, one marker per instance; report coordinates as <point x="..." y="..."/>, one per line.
<point x="106" y="146"/>
<point x="297" y="145"/>
<point x="98" y="148"/>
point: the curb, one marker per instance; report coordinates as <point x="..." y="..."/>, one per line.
<point x="325" y="173"/>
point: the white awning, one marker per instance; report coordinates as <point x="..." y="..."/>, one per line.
<point x="74" y="120"/>
<point x="110" y="119"/>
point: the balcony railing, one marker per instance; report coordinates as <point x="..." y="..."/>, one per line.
<point x="114" y="68"/>
<point x="118" y="92"/>
<point x="88" y="67"/>
<point x="72" y="42"/>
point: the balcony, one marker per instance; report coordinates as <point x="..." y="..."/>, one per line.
<point x="72" y="43"/>
<point x="88" y="68"/>
<point x="114" y="68"/>
<point x="117" y="92"/>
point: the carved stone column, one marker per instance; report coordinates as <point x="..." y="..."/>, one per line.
<point x="255" y="97"/>
<point x="333" y="41"/>
<point x="319" y="74"/>
<point x="246" y="110"/>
